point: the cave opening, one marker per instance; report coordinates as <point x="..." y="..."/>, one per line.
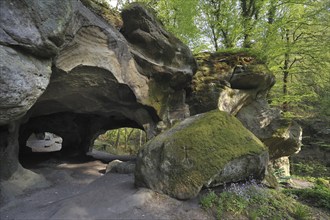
<point x="68" y="136"/>
<point x="44" y="142"/>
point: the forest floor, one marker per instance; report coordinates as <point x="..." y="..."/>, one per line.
<point x="81" y="190"/>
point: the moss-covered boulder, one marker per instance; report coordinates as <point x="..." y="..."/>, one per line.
<point x="205" y="150"/>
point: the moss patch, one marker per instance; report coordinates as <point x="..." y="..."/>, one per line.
<point x="102" y="8"/>
<point x="211" y="141"/>
<point x="158" y="95"/>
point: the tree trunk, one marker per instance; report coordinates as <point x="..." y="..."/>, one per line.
<point x="286" y="72"/>
<point x="117" y="139"/>
<point x="215" y="39"/>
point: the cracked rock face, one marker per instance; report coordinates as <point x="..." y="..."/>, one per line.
<point x="66" y="70"/>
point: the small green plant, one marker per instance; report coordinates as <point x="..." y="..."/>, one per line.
<point x="302" y="212"/>
<point x="279" y="174"/>
<point x="312" y="168"/>
<point x="232" y="202"/>
<point x="208" y="200"/>
<point x="318" y="196"/>
<point x="254" y="202"/>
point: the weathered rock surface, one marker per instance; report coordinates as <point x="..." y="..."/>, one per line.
<point x="232" y="100"/>
<point x="250" y="76"/>
<point x="68" y="71"/>
<point x="283" y="137"/>
<point x="36" y="27"/>
<point x="155" y="50"/>
<point x="202" y="151"/>
<point x="118" y="166"/>
<point x="163" y="58"/>
<point x="23" y="79"/>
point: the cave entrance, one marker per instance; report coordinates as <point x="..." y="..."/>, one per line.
<point x="124" y="141"/>
<point x="44" y="142"/>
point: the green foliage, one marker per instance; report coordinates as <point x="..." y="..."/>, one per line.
<point x="103" y="9"/>
<point x="178" y="17"/>
<point x="279" y="174"/>
<point x="302" y="212"/>
<point x="208" y="200"/>
<point x="318" y="196"/>
<point x="123" y="141"/>
<point x="255" y="202"/>
<point x="312" y="168"/>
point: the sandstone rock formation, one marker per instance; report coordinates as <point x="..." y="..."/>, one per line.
<point x="204" y="150"/>
<point x="238" y="83"/>
<point x="163" y="58"/>
<point x="68" y="71"/>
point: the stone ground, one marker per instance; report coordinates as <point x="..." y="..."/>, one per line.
<point x="80" y="190"/>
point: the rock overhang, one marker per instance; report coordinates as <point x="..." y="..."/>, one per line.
<point x="84" y="77"/>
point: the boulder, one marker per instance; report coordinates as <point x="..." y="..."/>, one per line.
<point x="117" y="166"/>
<point x="282" y="136"/>
<point x="205" y="150"/>
<point x="228" y="80"/>
<point x="250" y="76"/>
<point x="37" y="27"/>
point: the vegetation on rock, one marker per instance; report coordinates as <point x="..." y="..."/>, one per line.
<point x="215" y="71"/>
<point x="103" y="9"/>
<point x="194" y="153"/>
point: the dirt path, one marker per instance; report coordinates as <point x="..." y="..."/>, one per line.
<point x="81" y="191"/>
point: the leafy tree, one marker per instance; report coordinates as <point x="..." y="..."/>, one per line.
<point x="121" y="141"/>
<point x="221" y="24"/>
<point x="297" y="50"/>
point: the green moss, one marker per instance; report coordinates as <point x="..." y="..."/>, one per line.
<point x="209" y="142"/>
<point x="159" y="95"/>
<point x="244" y="52"/>
<point x="102" y="8"/>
